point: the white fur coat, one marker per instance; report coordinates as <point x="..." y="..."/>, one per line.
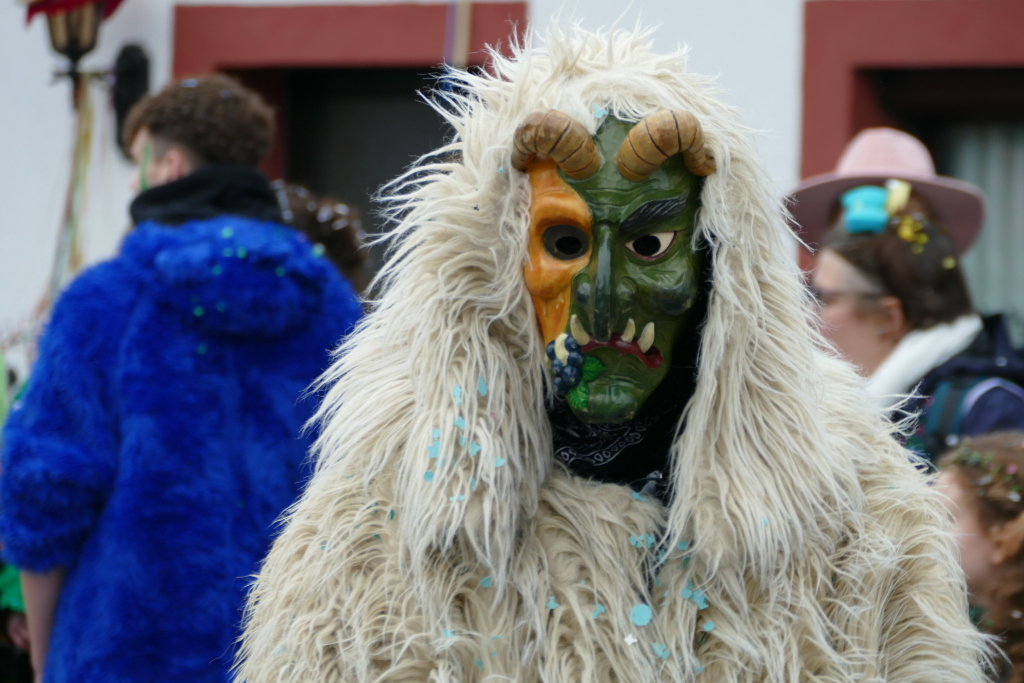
<point x="438" y="541"/>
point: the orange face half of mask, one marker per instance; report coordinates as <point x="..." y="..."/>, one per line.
<point x="548" y="278"/>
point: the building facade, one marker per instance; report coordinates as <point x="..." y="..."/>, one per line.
<point x="357" y="51"/>
<point x="806" y="74"/>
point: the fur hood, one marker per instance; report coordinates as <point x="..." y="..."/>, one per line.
<point x="439" y="541"/>
<point x="233" y="275"/>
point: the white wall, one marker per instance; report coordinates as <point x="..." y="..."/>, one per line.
<point x="36" y="144"/>
<point x="754" y="47"/>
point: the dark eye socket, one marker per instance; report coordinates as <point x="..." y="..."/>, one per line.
<point x="566" y="242"/>
<point x="648" y="245"/>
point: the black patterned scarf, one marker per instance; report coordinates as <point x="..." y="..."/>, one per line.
<point x="634" y="453"/>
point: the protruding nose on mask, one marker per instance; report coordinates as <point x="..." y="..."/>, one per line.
<point x="596" y="292"/>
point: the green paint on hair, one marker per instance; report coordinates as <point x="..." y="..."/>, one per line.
<point x="147" y="153"/>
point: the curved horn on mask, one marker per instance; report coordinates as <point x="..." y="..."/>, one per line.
<point x="555" y="135"/>
<point x="659" y="136"/>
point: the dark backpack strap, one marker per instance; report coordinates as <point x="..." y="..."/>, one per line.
<point x="985" y="386"/>
<point x="944" y="417"/>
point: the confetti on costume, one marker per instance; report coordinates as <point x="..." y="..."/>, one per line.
<point x="775" y="431"/>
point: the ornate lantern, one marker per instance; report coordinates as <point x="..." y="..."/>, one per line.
<point x="74" y="25"/>
<point x="73" y="32"/>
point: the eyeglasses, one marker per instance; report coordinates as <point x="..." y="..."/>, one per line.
<point x="825" y="296"/>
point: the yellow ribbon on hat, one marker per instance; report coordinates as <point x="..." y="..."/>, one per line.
<point x="899" y="195"/>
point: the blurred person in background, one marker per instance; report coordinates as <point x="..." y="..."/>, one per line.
<point x="14" y="641"/>
<point x="983" y="481"/>
<point x="335" y="226"/>
<point x="159" y="438"/>
<point x="15" y="666"/>
<point x="893" y="296"/>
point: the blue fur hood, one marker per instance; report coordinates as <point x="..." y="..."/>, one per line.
<point x="233" y="275"/>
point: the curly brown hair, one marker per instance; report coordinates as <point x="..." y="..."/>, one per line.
<point x="990" y="469"/>
<point x="215" y="118"/>
<point x="334" y="225"/>
<point x="923" y="272"/>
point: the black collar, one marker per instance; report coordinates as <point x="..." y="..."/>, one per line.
<point x="213" y="190"/>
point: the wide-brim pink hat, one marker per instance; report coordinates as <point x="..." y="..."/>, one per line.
<point x="874" y="156"/>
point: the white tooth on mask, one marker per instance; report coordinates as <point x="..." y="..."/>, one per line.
<point x="576" y="327"/>
<point x="627" y="334"/>
<point x="561" y="353"/>
<point x="646" y="337"/>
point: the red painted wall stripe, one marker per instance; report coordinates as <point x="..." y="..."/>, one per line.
<point x="207" y="38"/>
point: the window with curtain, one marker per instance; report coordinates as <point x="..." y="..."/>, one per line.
<point x="991" y="155"/>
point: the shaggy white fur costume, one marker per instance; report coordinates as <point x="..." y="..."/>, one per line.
<point x="819" y="549"/>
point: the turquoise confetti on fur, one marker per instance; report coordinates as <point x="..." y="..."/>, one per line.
<point x="641" y="614"/>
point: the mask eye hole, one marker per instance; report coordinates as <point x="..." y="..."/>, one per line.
<point x="566" y="242"/>
<point x="652" y="246"/>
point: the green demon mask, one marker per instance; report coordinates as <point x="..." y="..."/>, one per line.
<point x="611" y="269"/>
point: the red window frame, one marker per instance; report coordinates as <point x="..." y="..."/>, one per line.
<point x="259" y="40"/>
<point x="844" y="39"/>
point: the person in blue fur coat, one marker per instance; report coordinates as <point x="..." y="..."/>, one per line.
<point x="161" y="434"/>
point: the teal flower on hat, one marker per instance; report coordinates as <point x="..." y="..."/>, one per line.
<point x="864" y="209"/>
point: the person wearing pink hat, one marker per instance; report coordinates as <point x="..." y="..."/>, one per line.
<point x="893" y="297"/>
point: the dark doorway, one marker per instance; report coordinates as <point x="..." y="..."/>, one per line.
<point x="351" y="131"/>
<point x="926" y="102"/>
